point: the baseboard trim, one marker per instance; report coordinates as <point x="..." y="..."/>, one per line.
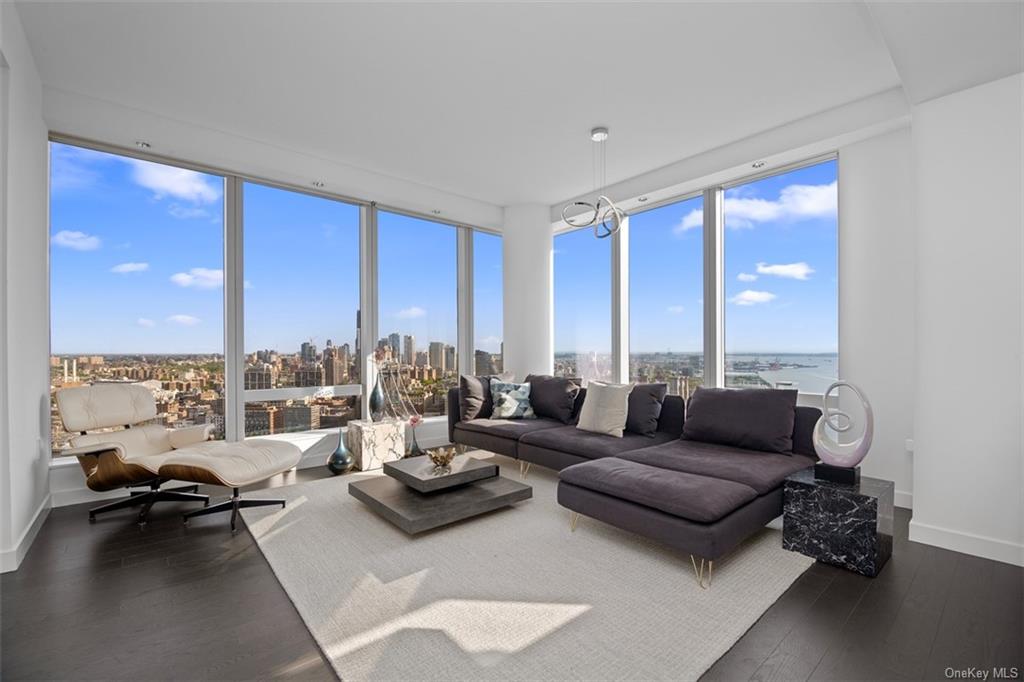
<point x="967" y="543"/>
<point x="903" y="499"/>
<point x="11" y="559"/>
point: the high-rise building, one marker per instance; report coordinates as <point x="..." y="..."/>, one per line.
<point x="483" y="363"/>
<point x="310" y="375"/>
<point x="308" y="351"/>
<point x="436" y="351"/>
<point x="259" y="378"/>
<point x="395" y="341"/>
<point x="409" y="350"/>
<point x="358" y="359"/>
<point x="450" y="364"/>
<point x="335" y="368"/>
<point x="301" y="417"/>
<point x="422" y="358"/>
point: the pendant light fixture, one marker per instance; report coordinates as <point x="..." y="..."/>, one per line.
<point x="603" y="215"/>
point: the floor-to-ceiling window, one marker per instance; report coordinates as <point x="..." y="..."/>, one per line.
<point x="301" y="292"/>
<point x="487" y="304"/>
<point x="666" y="296"/>
<point x="136" y="282"/>
<point x="582" y="298"/>
<point x="417" y="279"/>
<point x="781" y="280"/>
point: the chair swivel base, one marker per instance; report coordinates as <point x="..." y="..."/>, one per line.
<point x="234" y="504"/>
<point x="148" y="498"/>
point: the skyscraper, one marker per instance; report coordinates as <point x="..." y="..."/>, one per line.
<point x="409" y="351"/>
<point x="308" y="351"/>
<point x="449" y="359"/>
<point x="436" y="355"/>
<point x="395" y="341"/>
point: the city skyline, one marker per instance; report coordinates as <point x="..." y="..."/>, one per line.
<point x="147" y="239"/>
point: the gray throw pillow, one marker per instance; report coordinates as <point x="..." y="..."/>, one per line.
<point x="553" y="397"/>
<point x="475" y="400"/>
<point x="645" y="408"/>
<point x="511" y="401"/>
<point x="751" y="418"/>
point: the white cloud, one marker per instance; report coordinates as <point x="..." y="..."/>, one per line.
<point x="79" y="241"/>
<point x="799" y="270"/>
<point x="186" y="212"/>
<point x="746" y="277"/>
<point x="184" y="320"/>
<point x="675" y="310"/>
<point x="694" y="218"/>
<point x="751" y="297"/>
<point x="795" y="202"/>
<point x="178" y="183"/>
<point x="410" y="313"/>
<point x="145" y="322"/>
<point x="200" y="278"/>
<point x="122" y="268"/>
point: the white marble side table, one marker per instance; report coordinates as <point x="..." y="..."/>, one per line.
<point x="373" y="443"/>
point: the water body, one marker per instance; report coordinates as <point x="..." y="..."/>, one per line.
<point x="807" y="373"/>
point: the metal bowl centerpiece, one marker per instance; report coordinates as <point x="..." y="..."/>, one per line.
<point x="442" y="459"/>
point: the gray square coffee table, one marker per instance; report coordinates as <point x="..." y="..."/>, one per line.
<point x="416" y="499"/>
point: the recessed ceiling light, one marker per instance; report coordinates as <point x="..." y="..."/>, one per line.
<point x="599" y="134"/>
<point x="318" y="183"/>
<point x="436" y="211"/>
<point x="757" y="164"/>
<point x="641" y="199"/>
<point x="142" y="144"/>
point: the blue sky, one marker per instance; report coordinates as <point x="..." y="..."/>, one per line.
<point x="136" y="256"/>
<point x="780" y="255"/>
<point x="137" y="264"/>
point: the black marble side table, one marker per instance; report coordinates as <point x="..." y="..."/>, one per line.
<point x="840" y="524"/>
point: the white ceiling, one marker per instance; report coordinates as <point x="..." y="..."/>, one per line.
<point x="492" y="101"/>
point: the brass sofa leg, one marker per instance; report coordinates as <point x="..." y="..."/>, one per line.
<point x="573" y="520"/>
<point x="524" y="468"/>
<point x="699" y="573"/>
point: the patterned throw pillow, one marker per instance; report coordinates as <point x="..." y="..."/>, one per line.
<point x="511" y="401"/>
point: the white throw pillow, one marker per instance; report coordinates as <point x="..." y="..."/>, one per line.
<point x="605" y="408"/>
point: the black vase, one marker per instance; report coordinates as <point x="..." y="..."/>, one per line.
<point x="340" y="461"/>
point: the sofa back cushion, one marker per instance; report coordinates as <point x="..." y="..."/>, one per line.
<point x="645" y="401"/>
<point x="673" y="412"/>
<point x="553" y="397"/>
<point x="803" y="430"/>
<point x="604" y="410"/>
<point x="751" y="418"/>
<point x="475" y="400"/>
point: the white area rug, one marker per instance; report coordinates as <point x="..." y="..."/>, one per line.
<point x="510" y="595"/>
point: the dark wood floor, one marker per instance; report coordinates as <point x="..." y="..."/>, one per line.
<point x="108" y="601"/>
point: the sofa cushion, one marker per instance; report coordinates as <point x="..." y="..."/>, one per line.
<point x="508" y="428"/>
<point x="604" y="411"/>
<point x="475" y="397"/>
<point x="751" y="418"/>
<point x="689" y="496"/>
<point x="511" y="401"/>
<point x="645" y="402"/>
<point x="591" y="445"/>
<point x="762" y="471"/>
<point x="552" y="397"/>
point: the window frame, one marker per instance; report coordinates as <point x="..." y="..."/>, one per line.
<point x="713" y="263"/>
<point x="235" y="395"/>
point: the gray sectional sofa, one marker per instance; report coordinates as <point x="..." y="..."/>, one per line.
<point x="698" y="497"/>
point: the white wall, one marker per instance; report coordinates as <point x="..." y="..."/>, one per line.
<point x="876" y="295"/>
<point x="527" y="249"/>
<point x="24" y="438"/>
<point x="968" y="459"/>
